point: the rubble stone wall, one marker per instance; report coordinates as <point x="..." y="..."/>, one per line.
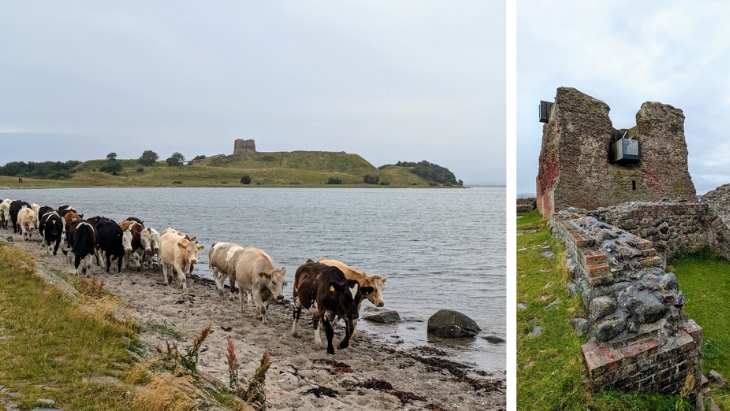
<point x="640" y="338"/>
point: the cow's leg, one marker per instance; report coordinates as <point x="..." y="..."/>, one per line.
<point x="181" y="277"/>
<point x="119" y="263"/>
<point x="330" y="332"/>
<point x="261" y="307"/>
<point x="219" y="280"/>
<point x="295" y="314"/>
<point x="315" y="322"/>
<point x="164" y="271"/>
<point x="232" y="284"/>
<point x="349" y="326"/>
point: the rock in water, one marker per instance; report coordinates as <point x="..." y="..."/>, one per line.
<point x="452" y="324"/>
<point x="385" y="317"/>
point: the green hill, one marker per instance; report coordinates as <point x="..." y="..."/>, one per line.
<point x="274" y="169"/>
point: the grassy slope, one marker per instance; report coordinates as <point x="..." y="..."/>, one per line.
<point x="53" y="347"/>
<point x="550" y="365"/>
<point x="298" y="168"/>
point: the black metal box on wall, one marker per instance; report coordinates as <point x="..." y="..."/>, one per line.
<point x="624" y="150"/>
<point x="545" y="107"/>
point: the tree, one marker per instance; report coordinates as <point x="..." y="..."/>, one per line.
<point x="148" y="158"/>
<point x="111" y="156"/>
<point x="246" y="179"/>
<point x="176" y="160"/>
<point x="368" y="179"/>
<point x="112" y="167"/>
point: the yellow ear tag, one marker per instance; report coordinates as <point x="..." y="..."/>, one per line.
<point x="263" y="277"/>
<point x="332" y="288"/>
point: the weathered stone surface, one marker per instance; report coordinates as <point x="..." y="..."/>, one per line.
<point x="610" y="327"/>
<point x="548" y="254"/>
<point x="717" y="378"/>
<point x="643" y="304"/>
<point x="581" y="325"/>
<point x="537" y="330"/>
<point x="493" y="339"/>
<point x="385" y="317"/>
<point x="452" y="324"/>
<point x="601" y="307"/>
<point x="572" y="288"/>
<point x="521" y="306"/>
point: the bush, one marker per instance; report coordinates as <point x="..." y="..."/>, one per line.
<point x="432" y="184"/>
<point x="384" y="183"/>
<point x="177" y="182"/>
<point x="140" y="170"/>
<point x="176" y="160"/>
<point x="246" y="179"/>
<point x="148" y="158"/>
<point x="333" y="180"/>
<point x="112" y="167"/>
<point x="368" y="179"/>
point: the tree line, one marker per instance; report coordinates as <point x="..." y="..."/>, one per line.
<point x="430" y="171"/>
<point x="57" y="170"/>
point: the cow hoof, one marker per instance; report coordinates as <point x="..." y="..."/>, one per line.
<point x="330" y="351"/>
<point x="344" y="344"/>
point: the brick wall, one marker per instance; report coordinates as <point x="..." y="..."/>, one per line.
<point x="640" y="339"/>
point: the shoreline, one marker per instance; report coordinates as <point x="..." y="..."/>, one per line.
<point x="302" y="375"/>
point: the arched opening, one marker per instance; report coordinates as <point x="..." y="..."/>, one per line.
<point x="633" y="185"/>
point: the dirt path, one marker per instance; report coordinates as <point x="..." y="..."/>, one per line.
<point x="372" y="375"/>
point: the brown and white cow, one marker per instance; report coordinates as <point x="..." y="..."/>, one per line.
<point x="178" y="253"/>
<point x="28" y="222"/>
<point x="256" y="273"/>
<point x="327" y="294"/>
<point x="69" y="217"/>
<point x="222" y="263"/>
<point x="154" y="245"/>
<point x="136" y="241"/>
<point x="365" y="280"/>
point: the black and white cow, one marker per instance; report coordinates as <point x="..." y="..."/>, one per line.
<point x="41" y="212"/>
<point x="84" y="246"/>
<point x="15" y="207"/>
<point x="51" y="228"/>
<point x="109" y="241"/>
<point x="327" y="294"/>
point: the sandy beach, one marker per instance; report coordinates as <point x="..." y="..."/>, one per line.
<point x="371" y="374"/>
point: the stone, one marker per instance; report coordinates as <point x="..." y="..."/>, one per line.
<point x="609" y="328"/>
<point x="494" y="339"/>
<point x="572" y="288"/>
<point x="605" y="235"/>
<point x="521" y="306"/>
<point x="643" y="304"/>
<point x="452" y="324"/>
<point x="384" y="317"/>
<point x="548" y="254"/>
<point x="601" y="307"/>
<point x="45" y="401"/>
<point x="536" y="331"/>
<point x="581" y="325"/>
<point x="717" y="378"/>
<point x="9" y="239"/>
<point x="552" y="305"/>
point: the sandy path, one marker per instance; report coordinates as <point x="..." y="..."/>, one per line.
<point x="295" y="367"/>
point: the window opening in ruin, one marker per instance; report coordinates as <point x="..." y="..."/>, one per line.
<point x="633" y="185"/>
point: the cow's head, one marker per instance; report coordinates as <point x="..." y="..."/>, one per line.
<point x="274" y="282"/>
<point x="127" y="240"/>
<point x="378" y="284"/>
<point x="54" y="227"/>
<point x="191" y="250"/>
<point x="347" y="294"/>
<point x="146" y="239"/>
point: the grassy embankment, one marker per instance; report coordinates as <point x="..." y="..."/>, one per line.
<point x="275" y="169"/>
<point x="81" y="354"/>
<point x="550" y="367"/>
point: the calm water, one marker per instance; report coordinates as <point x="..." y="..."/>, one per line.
<point x="439" y="248"/>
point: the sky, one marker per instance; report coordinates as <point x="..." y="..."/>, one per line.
<point x="390" y="81"/>
<point x="626" y="53"/>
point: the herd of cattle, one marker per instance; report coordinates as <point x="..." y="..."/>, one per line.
<point x="329" y="289"/>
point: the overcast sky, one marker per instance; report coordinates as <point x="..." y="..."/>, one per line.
<point x="625" y="53"/>
<point x="406" y="80"/>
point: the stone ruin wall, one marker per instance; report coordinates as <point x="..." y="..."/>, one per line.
<point x="640" y="338"/>
<point x="574" y="168"/>
<point x="244" y="147"/>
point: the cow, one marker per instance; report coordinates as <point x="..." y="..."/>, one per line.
<point x="136" y="242"/>
<point x="178" y="253"/>
<point x="62" y="210"/>
<point x="326" y="293"/>
<point x="41" y="212"/>
<point x="135" y="219"/>
<point x="109" y="242"/>
<point x="84" y="246"/>
<point x="14" y="208"/>
<point x="181" y="234"/>
<point x="27" y="221"/>
<point x="256" y="273"/>
<point x="223" y="265"/>
<point x="365" y="280"/>
<point x="51" y="227"/>
<point x="154" y="244"/>
<point x="5" y="212"/>
<point x="68" y="218"/>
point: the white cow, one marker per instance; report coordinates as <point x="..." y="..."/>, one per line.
<point x="154" y="245"/>
<point x="223" y="264"/>
<point x="28" y="221"/>
<point x="5" y="212"/>
<point x="257" y="274"/>
<point x="178" y="253"/>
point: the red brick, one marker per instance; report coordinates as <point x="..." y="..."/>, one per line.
<point x="643" y="244"/>
<point x="653" y="346"/>
<point x="597" y="269"/>
<point x="635" y="352"/>
<point x="612" y="360"/>
<point x="590" y="345"/>
<point x="594" y="363"/>
<point x="591" y="256"/>
<point x="650" y="252"/>
<point x="695" y="331"/>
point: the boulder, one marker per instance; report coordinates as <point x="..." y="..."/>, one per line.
<point x="384" y="317"/>
<point x="494" y="339"/>
<point x="717" y="378"/>
<point x="601" y="307"/>
<point x="452" y="324"/>
<point x="581" y="325"/>
<point x="643" y="304"/>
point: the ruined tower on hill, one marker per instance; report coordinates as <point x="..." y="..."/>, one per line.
<point x="585" y="162"/>
<point x="244" y="146"/>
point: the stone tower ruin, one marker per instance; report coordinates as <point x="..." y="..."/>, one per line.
<point x="244" y="146"/>
<point x="578" y="168"/>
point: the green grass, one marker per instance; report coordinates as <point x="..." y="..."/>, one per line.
<point x="705" y="279"/>
<point x="550" y="366"/>
<point x="275" y="169"/>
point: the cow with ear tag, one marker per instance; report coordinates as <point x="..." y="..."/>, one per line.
<point x="256" y="273"/>
<point x="178" y="253"/>
<point x="327" y="293"/>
